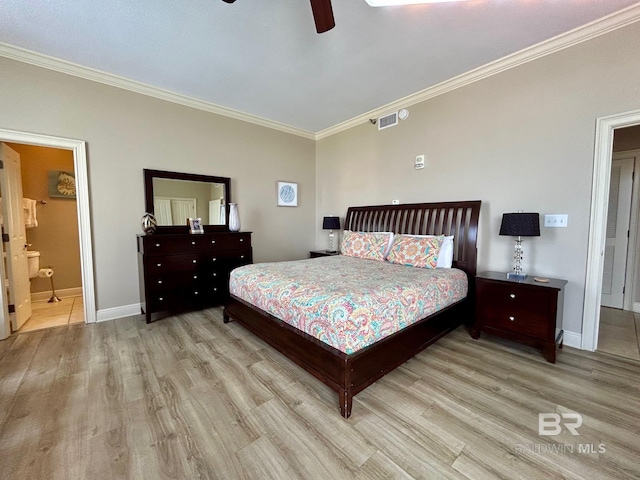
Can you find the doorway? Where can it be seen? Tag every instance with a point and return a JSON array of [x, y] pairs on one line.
[[44, 206], [603, 162], [78, 149], [618, 332]]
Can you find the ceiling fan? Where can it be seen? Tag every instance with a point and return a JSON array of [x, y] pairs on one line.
[[322, 14]]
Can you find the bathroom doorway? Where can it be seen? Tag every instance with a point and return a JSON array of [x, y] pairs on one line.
[[46, 210], [81, 216]]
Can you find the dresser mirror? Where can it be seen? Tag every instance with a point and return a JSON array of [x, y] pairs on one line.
[[173, 197]]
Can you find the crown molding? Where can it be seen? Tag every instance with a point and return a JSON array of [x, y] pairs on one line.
[[578, 35], [70, 68], [573, 37]]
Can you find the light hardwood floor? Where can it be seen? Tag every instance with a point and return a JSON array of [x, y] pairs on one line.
[[190, 397]]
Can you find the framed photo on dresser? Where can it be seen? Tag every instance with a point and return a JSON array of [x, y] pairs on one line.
[[195, 225]]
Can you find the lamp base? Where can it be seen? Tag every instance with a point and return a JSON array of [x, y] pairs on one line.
[[516, 276]]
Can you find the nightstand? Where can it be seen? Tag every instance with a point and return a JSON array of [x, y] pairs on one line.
[[526, 311], [322, 253]]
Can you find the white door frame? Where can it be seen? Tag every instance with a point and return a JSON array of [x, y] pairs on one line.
[[82, 201], [597, 224], [630, 281]]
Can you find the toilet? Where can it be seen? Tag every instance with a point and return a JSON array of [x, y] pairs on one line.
[[33, 260]]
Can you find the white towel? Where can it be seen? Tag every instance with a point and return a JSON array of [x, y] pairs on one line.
[[29, 208]]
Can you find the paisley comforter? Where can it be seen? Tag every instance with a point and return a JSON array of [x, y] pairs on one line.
[[348, 303]]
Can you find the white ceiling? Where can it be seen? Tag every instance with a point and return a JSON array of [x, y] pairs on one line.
[[264, 58]]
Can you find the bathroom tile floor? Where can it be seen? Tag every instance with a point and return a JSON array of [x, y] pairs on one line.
[[46, 315], [619, 333]]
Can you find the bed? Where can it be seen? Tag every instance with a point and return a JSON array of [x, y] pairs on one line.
[[349, 373]]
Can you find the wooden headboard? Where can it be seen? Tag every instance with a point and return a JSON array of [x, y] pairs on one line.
[[459, 219]]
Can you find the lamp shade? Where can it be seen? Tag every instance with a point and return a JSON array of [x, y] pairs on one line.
[[331, 223], [520, 225]]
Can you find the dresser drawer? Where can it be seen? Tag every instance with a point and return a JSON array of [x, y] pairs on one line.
[[181, 244], [174, 263], [169, 281]]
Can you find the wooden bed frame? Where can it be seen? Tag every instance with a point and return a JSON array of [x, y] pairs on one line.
[[349, 374]]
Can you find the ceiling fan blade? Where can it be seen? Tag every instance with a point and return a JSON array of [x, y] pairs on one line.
[[323, 15]]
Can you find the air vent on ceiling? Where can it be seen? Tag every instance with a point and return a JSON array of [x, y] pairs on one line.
[[387, 121]]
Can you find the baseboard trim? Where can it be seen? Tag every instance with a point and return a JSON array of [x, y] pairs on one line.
[[114, 313], [572, 339], [64, 293]]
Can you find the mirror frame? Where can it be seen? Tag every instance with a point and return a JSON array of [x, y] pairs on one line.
[[149, 175]]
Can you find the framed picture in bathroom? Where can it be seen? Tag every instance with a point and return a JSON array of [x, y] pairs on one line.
[[62, 184]]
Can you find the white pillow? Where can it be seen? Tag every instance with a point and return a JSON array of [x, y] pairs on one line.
[[445, 257]]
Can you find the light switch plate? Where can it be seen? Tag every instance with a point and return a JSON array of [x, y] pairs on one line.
[[556, 220], [419, 162], [395, 202]]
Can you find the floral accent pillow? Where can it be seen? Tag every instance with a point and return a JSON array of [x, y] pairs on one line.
[[416, 251], [369, 245]]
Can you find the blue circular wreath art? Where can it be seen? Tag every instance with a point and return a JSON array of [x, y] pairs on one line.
[[287, 194]]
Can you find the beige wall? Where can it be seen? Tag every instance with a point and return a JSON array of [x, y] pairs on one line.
[[519, 140], [56, 236], [126, 132]]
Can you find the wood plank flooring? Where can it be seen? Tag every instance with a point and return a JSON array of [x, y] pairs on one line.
[[190, 397]]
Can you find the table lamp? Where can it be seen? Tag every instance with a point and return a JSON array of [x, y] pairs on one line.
[[519, 225], [331, 224]]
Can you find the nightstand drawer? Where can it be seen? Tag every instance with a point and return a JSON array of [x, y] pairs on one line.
[[519, 322], [501, 298]]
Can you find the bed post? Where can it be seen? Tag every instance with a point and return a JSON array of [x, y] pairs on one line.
[[345, 397]]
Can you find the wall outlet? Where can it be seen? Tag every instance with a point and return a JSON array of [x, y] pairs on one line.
[[419, 162], [395, 202], [556, 220]]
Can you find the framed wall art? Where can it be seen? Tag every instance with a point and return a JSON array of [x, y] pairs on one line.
[[287, 194], [62, 184]]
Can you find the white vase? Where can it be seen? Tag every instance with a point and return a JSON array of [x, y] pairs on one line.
[[234, 218]]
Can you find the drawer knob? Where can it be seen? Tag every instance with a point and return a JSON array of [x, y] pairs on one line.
[[512, 319], [195, 293], [214, 259], [193, 243], [159, 281], [157, 244], [242, 239], [215, 289], [195, 261], [161, 298], [215, 274], [213, 241], [159, 265], [195, 276], [512, 295], [241, 256]]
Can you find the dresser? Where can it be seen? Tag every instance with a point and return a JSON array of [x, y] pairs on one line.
[[526, 311], [180, 272]]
